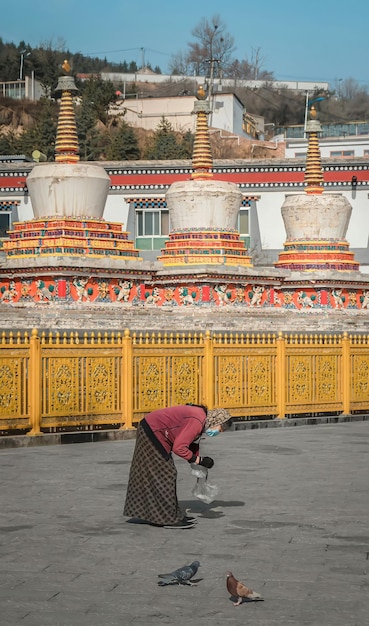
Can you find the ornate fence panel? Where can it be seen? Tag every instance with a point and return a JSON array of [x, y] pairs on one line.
[[14, 396], [56, 382], [82, 380], [167, 370], [313, 374], [245, 374], [359, 365]]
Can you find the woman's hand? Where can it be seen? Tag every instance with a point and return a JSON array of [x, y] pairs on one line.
[[206, 461]]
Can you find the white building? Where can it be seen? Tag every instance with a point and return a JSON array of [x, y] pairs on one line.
[[150, 77], [227, 113], [344, 141], [29, 88]]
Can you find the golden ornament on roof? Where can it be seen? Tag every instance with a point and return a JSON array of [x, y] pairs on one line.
[[66, 65], [201, 93]]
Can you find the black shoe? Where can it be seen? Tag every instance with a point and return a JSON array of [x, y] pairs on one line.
[[183, 523], [191, 520]]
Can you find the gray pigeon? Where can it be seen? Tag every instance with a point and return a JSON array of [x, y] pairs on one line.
[[180, 576]]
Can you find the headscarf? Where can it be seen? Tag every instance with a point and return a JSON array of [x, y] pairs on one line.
[[215, 417]]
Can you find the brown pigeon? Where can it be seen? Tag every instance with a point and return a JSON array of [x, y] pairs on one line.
[[240, 591]]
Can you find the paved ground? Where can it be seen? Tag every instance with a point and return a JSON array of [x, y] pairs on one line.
[[292, 521]]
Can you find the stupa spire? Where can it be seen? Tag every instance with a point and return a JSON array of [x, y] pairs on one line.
[[202, 159], [203, 211], [66, 144], [314, 180], [316, 223]]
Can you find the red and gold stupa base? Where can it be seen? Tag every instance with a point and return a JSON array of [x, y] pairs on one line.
[[69, 237], [205, 247], [317, 255]]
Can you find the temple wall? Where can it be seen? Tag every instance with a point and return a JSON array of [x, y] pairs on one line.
[[181, 319], [24, 210], [116, 209]]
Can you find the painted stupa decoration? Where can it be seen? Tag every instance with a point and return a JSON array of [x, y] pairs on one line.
[[203, 211], [68, 199], [316, 222], [202, 159], [66, 144]]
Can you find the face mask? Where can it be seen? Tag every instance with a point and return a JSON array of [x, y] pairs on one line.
[[212, 432]]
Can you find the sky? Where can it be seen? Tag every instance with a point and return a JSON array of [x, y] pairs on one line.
[[321, 40]]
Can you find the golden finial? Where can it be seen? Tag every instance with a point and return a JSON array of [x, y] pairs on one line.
[[201, 93], [202, 160], [66, 66], [313, 113], [66, 144], [314, 181]]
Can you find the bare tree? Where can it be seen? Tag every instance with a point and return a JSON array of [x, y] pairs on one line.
[[256, 61], [350, 89], [179, 64], [210, 52]]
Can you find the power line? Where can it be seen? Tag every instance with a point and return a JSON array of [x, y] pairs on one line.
[[111, 51], [127, 50]]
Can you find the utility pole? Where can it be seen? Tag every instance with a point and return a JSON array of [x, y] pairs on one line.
[[306, 111], [212, 61], [22, 53]]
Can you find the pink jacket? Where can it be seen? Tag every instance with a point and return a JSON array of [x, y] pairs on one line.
[[177, 427]]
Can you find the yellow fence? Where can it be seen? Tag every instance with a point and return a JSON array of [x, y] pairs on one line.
[[52, 382]]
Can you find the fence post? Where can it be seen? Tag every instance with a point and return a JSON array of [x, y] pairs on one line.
[[209, 382], [34, 383], [280, 376], [346, 374], [127, 387]]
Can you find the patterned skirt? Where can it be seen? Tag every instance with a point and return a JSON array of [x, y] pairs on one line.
[[152, 485]]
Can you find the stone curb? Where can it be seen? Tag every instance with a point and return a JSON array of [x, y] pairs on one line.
[[51, 439]]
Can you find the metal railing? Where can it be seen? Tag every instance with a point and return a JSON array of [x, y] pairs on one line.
[[54, 382]]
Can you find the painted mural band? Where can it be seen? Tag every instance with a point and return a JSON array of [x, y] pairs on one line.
[[82, 289]]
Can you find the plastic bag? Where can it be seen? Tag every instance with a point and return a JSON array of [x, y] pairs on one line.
[[203, 490], [199, 471]]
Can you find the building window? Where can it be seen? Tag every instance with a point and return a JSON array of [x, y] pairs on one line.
[[152, 228], [4, 224], [244, 218], [299, 155], [342, 153], [151, 223], [7, 207], [243, 222]]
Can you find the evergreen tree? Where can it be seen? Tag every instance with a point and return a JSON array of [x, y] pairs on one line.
[[46, 64], [91, 117], [123, 144], [187, 144], [42, 135], [9, 143], [167, 144], [98, 94], [88, 135], [9, 62]]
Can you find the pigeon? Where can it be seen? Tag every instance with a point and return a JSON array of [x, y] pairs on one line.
[[180, 576], [240, 591]]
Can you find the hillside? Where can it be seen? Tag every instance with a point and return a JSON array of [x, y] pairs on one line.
[[20, 118]]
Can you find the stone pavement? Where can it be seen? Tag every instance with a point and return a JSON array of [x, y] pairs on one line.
[[291, 520]]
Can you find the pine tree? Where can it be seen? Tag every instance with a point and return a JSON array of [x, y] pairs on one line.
[[42, 135], [167, 144], [123, 144], [9, 143], [90, 139]]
